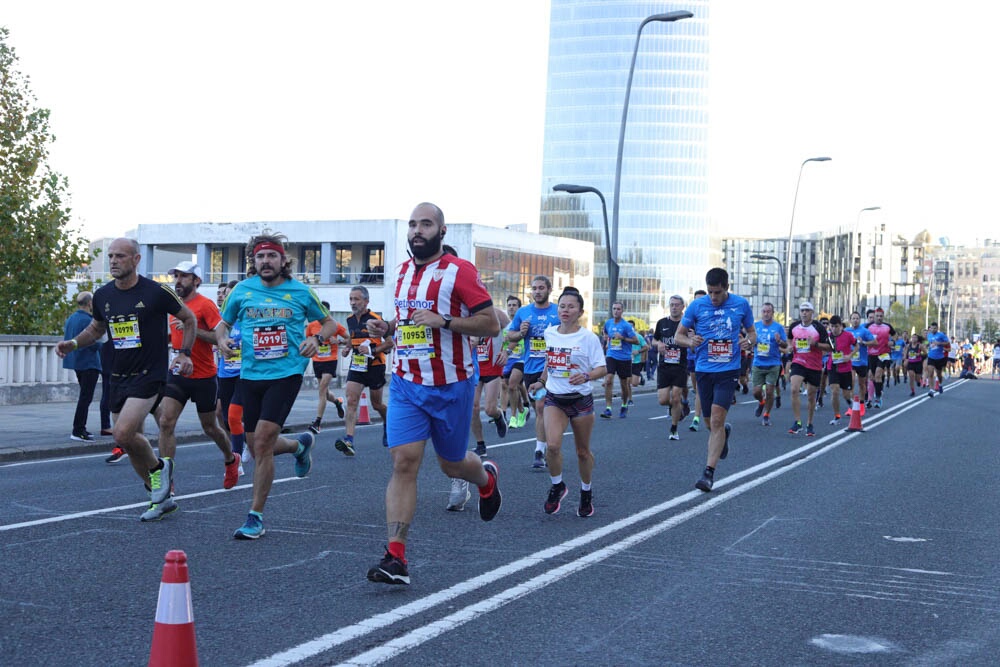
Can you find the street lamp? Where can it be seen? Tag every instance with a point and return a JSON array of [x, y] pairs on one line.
[[781, 276], [612, 259], [791, 227], [857, 233], [668, 17]]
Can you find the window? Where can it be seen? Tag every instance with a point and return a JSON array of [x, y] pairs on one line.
[[217, 266], [374, 270], [342, 270], [309, 263]]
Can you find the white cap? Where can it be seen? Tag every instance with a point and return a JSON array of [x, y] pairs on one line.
[[186, 267], [805, 305]]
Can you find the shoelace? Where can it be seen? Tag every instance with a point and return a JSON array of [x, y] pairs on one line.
[[155, 480]]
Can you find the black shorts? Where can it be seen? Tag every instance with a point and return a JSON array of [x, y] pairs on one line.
[[638, 369], [531, 378], [915, 366], [572, 405], [373, 378], [874, 362], [938, 364], [486, 379], [230, 393], [138, 386], [862, 371], [671, 375], [619, 367], [321, 368], [202, 391], [270, 400], [811, 376], [516, 366], [845, 379]]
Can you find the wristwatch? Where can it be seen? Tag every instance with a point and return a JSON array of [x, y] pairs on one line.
[[185, 351], [319, 339], [447, 321]]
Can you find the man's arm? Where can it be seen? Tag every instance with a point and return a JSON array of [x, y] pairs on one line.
[[483, 322], [87, 337]]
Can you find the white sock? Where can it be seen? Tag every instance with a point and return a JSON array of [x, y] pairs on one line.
[[556, 479], [539, 446], [584, 486]]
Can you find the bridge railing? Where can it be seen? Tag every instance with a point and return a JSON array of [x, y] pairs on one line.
[[31, 360]]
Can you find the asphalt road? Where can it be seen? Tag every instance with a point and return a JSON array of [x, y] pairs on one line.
[[843, 549]]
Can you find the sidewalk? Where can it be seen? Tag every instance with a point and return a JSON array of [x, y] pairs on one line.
[[42, 430]]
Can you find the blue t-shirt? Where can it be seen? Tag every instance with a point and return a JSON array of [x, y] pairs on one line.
[[937, 352], [861, 334], [273, 325], [720, 327], [767, 353], [896, 353], [539, 319], [230, 368], [617, 348]]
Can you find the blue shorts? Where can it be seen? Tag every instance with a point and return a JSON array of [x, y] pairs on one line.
[[443, 414], [720, 386]]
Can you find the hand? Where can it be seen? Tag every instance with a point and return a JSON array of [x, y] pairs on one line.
[[182, 365], [502, 358], [230, 349], [178, 325], [579, 378], [744, 343], [378, 327], [365, 349], [696, 340], [64, 347], [427, 318], [525, 326], [309, 347], [535, 386], [617, 336]]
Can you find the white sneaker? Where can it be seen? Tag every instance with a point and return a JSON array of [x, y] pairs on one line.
[[459, 495]]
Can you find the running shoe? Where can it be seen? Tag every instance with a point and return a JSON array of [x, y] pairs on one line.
[[522, 417], [674, 435], [878, 402], [746, 389], [390, 570], [500, 421], [347, 446], [157, 512], [315, 428], [161, 481], [623, 413], [819, 401], [481, 450], [707, 481], [930, 394], [725, 445], [117, 454], [539, 461], [81, 436], [940, 390], [695, 424], [586, 504], [796, 427], [241, 470], [766, 421], [606, 414], [556, 493], [912, 394], [490, 505], [630, 403], [835, 420], [339, 404], [107, 431], [810, 431], [777, 402], [232, 472], [459, 495], [686, 408], [252, 529], [303, 458], [759, 410]]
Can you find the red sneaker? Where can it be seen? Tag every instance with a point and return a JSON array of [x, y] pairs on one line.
[[232, 472]]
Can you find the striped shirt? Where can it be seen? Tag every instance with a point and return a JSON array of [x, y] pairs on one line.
[[436, 356]]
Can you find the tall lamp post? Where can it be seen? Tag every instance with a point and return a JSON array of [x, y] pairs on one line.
[[612, 259], [857, 233], [781, 275], [668, 17], [791, 227]]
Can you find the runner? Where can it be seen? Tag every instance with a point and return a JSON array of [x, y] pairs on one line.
[[937, 346], [230, 397], [880, 359], [821, 392], [995, 370], [915, 354], [842, 345], [324, 364], [574, 358], [619, 336], [808, 340], [529, 324], [200, 386], [272, 309], [771, 342], [638, 361], [671, 372], [896, 356], [135, 310], [691, 358], [367, 353], [513, 373], [859, 359], [711, 325], [439, 301]]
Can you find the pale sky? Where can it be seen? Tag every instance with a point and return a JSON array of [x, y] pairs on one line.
[[239, 111]]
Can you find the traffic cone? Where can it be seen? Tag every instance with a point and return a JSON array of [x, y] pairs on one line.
[[363, 418], [856, 410], [173, 634]]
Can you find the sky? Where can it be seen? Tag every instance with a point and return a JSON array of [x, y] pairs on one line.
[[245, 111]]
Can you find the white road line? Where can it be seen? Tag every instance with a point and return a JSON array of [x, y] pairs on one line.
[[379, 654]]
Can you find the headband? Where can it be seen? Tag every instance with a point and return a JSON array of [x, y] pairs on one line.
[[269, 245]]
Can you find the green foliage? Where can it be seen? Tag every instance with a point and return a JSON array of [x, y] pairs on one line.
[[991, 329], [38, 251]]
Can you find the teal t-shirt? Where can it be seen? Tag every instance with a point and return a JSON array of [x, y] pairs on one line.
[[273, 325]]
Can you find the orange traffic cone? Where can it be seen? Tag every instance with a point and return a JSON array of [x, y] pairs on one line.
[[173, 634], [363, 418], [856, 411]]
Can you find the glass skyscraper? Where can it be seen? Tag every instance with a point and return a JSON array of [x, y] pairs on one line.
[[664, 244]]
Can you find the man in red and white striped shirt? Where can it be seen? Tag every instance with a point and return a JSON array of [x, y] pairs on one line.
[[439, 301]]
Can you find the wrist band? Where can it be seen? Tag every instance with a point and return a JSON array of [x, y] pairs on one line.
[[76, 343]]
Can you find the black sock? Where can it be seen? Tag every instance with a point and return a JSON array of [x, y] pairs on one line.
[[878, 390], [480, 443], [158, 466]]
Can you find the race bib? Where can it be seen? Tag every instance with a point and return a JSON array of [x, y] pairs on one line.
[[672, 355], [537, 348], [856, 355], [720, 351], [763, 349], [323, 350], [802, 345], [883, 357], [270, 342], [235, 363], [616, 343], [125, 332], [359, 363], [482, 352], [838, 357], [414, 341], [913, 358], [558, 361]]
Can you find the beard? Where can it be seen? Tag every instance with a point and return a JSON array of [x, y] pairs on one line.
[[428, 249]]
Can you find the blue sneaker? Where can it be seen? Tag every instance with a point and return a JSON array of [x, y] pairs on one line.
[[623, 413], [304, 459], [725, 446], [796, 427], [252, 529]]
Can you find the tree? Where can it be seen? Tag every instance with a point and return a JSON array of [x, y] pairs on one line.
[[38, 250], [991, 329]]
